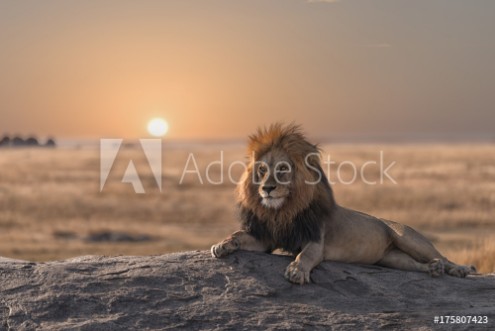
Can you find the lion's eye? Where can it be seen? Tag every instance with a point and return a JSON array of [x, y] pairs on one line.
[[283, 168], [262, 170]]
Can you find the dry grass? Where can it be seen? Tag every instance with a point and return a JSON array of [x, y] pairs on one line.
[[50, 200]]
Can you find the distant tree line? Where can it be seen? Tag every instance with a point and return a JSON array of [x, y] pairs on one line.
[[17, 141]]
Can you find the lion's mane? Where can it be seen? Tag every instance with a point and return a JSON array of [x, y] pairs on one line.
[[300, 219]]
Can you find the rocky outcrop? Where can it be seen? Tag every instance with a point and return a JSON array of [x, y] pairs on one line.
[[246, 290]]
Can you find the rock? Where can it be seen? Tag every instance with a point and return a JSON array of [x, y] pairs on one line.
[[246, 290]]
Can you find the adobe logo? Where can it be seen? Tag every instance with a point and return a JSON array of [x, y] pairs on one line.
[[152, 148]]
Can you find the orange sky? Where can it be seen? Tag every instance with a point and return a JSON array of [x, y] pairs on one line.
[[217, 69]]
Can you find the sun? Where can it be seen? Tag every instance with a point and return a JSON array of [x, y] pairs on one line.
[[157, 127]]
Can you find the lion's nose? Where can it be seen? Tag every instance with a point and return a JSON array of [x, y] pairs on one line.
[[268, 189]]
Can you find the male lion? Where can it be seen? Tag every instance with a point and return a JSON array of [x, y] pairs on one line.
[[286, 203]]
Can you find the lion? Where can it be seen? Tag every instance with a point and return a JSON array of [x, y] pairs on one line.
[[286, 203]]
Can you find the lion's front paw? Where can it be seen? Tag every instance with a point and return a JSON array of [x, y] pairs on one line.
[[295, 274], [225, 248], [436, 267]]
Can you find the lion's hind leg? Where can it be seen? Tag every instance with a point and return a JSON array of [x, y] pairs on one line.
[[397, 259], [412, 242], [420, 249]]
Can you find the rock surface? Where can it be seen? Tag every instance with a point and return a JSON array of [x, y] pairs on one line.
[[246, 290]]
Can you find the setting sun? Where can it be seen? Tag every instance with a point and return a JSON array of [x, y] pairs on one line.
[[157, 127]]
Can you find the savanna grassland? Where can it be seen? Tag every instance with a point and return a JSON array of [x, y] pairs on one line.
[[51, 206]]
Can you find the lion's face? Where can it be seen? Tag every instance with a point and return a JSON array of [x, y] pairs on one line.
[[274, 174], [283, 176]]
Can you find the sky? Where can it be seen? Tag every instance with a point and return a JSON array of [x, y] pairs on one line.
[[218, 69]]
